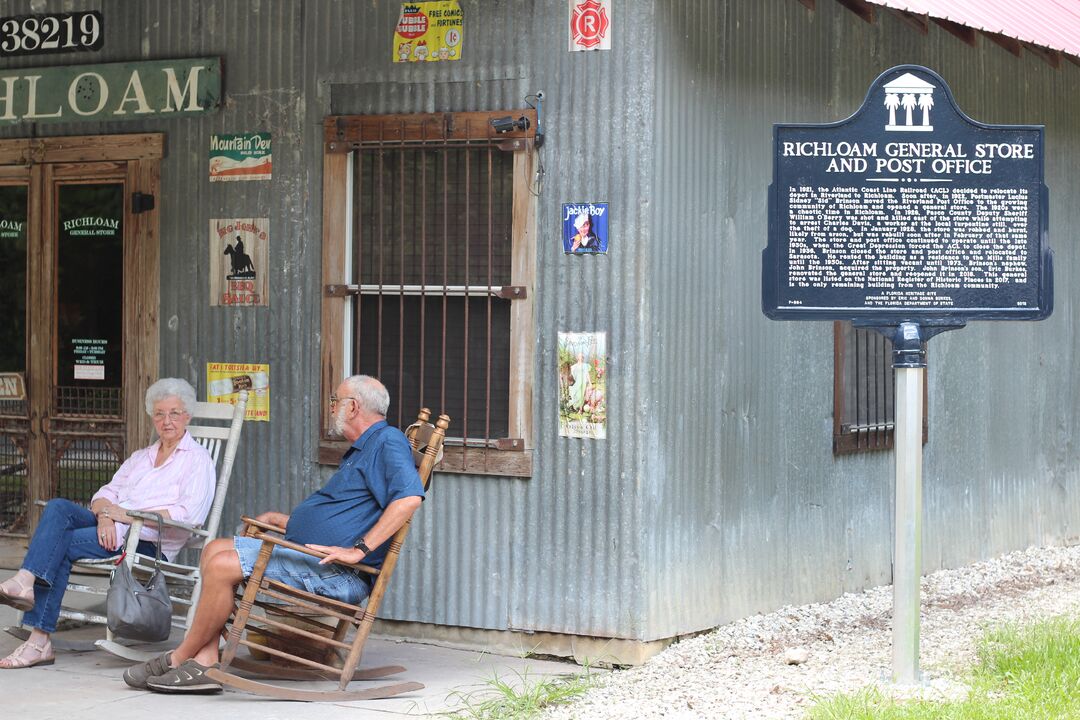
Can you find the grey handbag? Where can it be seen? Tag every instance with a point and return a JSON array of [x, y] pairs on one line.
[[136, 611]]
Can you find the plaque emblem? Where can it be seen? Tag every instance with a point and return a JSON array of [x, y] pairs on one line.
[[907, 93]]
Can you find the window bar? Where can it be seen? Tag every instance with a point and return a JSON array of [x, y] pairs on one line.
[[401, 274], [467, 243], [490, 259], [873, 368], [881, 378], [505, 292], [870, 378], [358, 261], [869, 416], [446, 275], [890, 389], [380, 243], [866, 378], [858, 372], [423, 260]]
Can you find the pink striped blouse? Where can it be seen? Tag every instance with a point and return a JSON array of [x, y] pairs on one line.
[[183, 485]]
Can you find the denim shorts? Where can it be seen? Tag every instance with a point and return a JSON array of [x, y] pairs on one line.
[[303, 572]]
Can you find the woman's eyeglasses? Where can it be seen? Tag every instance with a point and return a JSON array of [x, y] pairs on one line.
[[174, 415]]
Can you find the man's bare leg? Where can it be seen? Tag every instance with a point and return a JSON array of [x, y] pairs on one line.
[[221, 573]]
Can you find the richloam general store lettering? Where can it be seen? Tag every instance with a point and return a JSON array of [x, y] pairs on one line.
[[910, 157]]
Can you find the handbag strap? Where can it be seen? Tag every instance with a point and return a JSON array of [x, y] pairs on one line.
[[160, 532]]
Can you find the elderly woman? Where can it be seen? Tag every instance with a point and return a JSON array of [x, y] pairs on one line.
[[174, 477]]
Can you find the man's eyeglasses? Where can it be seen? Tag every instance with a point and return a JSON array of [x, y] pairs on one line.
[[174, 415], [334, 399]]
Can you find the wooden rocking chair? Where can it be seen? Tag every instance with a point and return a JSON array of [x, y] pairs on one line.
[[311, 632]]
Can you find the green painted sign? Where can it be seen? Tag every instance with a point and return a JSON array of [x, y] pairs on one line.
[[111, 91]]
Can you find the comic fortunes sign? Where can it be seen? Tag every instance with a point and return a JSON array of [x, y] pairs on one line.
[[907, 210], [428, 32]]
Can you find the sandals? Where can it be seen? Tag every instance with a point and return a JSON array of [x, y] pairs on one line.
[[189, 677], [137, 675], [21, 599], [28, 655]]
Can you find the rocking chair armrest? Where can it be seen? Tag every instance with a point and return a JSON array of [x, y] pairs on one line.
[[145, 516], [313, 553], [252, 522]]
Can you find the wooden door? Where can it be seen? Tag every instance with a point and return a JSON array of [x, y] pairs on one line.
[[78, 243]]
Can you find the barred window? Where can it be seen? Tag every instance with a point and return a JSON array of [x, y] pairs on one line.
[[864, 407], [427, 264]]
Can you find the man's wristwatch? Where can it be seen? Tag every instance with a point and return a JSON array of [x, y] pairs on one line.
[[362, 546]]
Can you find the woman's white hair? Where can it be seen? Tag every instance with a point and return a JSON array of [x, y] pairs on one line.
[[370, 393], [170, 387]]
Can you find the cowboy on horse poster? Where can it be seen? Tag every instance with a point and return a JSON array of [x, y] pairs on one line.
[[238, 251]]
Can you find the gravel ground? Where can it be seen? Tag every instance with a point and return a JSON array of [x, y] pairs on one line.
[[741, 670]]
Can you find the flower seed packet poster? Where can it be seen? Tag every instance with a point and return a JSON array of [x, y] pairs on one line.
[[583, 385]]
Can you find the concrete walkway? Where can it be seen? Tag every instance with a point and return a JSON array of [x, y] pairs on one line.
[[89, 684]]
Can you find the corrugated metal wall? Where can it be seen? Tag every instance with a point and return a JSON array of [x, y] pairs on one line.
[[716, 493], [557, 552], [752, 509]]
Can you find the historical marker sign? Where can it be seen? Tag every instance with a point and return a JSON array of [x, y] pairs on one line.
[[907, 211]]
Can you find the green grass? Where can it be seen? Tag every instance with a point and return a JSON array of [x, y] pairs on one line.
[[1023, 673], [521, 700]]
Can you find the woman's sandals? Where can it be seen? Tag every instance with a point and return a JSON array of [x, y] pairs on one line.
[[28, 655], [17, 595]]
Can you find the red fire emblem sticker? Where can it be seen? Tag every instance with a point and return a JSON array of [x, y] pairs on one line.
[[589, 24]]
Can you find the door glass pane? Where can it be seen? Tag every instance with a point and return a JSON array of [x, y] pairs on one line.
[[90, 294], [13, 449], [13, 278]]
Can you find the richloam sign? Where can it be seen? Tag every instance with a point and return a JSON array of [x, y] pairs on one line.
[[907, 211], [111, 91]]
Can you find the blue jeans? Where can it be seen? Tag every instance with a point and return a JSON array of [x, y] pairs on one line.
[[67, 532]]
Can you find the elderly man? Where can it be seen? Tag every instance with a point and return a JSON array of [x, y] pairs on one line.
[[373, 493]]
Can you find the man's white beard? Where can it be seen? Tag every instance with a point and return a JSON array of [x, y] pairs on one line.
[[339, 422]]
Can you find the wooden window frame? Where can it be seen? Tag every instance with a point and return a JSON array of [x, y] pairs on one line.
[[845, 440], [342, 135]]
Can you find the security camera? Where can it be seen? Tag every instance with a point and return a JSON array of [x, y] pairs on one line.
[[509, 124], [540, 96]]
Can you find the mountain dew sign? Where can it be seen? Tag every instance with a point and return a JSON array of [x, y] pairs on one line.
[[111, 91]]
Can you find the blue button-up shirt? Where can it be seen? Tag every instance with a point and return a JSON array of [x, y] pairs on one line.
[[375, 471]]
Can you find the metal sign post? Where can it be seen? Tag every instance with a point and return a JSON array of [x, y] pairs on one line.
[[909, 364], [910, 368]]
